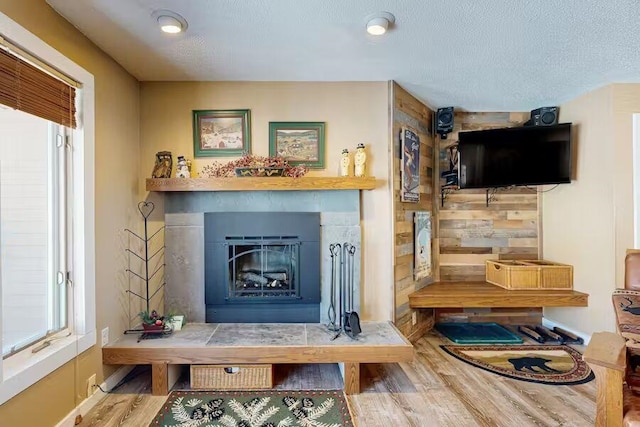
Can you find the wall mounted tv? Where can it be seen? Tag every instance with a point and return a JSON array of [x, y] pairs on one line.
[[530, 155]]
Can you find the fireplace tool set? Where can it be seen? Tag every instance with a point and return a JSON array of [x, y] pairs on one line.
[[342, 290]]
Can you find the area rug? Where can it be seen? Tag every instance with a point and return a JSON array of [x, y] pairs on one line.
[[477, 333], [273, 408], [545, 364]]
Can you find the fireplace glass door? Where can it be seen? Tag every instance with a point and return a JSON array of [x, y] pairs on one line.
[[262, 270]]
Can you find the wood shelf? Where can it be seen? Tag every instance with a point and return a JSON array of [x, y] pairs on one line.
[[261, 184], [484, 294]]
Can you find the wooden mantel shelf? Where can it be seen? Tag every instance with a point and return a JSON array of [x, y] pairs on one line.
[[261, 184]]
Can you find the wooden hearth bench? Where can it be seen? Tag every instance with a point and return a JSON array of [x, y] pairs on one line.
[[235, 344]]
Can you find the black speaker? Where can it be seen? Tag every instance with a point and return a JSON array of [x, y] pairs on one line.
[[444, 121], [543, 116]]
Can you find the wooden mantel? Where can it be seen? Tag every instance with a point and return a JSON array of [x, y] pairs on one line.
[[261, 184]]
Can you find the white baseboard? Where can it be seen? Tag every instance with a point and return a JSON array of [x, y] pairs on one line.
[[86, 405], [550, 324]]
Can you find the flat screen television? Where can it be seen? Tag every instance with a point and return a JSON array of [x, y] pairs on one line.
[[530, 155]]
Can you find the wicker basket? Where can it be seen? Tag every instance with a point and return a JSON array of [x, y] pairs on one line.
[[225, 377], [530, 274]]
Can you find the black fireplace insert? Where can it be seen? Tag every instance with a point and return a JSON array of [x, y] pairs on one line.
[[262, 267]]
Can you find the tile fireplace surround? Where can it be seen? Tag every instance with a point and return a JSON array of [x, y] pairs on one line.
[[184, 237]]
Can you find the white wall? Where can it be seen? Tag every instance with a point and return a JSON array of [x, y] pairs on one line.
[[626, 102], [589, 223], [578, 218], [636, 180]]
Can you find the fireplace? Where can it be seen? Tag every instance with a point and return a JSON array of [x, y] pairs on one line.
[[262, 267], [184, 293]]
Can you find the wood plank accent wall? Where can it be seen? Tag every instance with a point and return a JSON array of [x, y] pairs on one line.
[[469, 232], [410, 112]]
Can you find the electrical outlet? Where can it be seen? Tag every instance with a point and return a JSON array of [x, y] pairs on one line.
[[414, 318], [105, 336], [91, 385]]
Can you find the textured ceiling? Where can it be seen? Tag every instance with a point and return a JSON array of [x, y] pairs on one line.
[[491, 55]]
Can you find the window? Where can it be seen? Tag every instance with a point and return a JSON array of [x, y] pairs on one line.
[[76, 248], [34, 201]]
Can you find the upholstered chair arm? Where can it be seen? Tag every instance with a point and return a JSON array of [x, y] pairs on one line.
[[606, 355]]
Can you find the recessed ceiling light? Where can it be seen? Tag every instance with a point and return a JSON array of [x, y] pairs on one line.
[[379, 23], [170, 22]]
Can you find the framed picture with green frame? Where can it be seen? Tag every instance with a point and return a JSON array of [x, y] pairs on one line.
[[221, 133], [299, 143]]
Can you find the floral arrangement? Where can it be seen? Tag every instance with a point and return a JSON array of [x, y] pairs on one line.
[[154, 321], [219, 170]]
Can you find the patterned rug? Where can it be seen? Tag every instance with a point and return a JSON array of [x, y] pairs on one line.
[[276, 408], [545, 364]]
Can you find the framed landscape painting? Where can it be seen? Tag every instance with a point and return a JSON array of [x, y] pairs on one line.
[[221, 133], [300, 143]]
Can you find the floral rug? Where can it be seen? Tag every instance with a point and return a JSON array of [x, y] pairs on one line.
[[545, 364], [275, 408]]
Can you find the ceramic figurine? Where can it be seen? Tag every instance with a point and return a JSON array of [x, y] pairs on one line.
[[360, 160], [164, 165], [345, 163], [182, 168]]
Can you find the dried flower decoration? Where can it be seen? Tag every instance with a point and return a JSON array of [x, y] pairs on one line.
[[222, 170]]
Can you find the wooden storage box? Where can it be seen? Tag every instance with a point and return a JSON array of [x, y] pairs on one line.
[[529, 274], [230, 377]]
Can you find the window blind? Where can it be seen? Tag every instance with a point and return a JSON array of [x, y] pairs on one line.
[[26, 88]]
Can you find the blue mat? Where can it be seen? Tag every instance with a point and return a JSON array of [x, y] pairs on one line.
[[477, 333]]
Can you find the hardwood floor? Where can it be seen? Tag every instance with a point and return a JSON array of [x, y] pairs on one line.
[[433, 390]]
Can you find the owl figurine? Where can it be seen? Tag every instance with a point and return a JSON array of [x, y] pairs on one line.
[[163, 166]]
